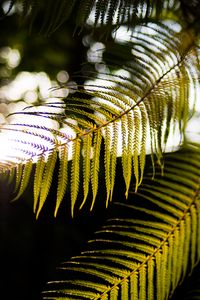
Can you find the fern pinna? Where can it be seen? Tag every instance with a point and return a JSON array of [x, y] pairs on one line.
[[148, 246], [148, 100]]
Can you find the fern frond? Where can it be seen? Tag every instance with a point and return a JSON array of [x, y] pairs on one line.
[[127, 109], [134, 289], [84, 10], [75, 173], [24, 178], [95, 164], [150, 278], [113, 163], [108, 14], [126, 156], [159, 274], [198, 222], [107, 157], [115, 257], [136, 143], [62, 177], [87, 144], [175, 260], [19, 171], [46, 180], [193, 236], [186, 244], [142, 282], [143, 140], [37, 180], [124, 289]]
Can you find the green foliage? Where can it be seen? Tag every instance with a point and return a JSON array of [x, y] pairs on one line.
[[106, 13], [148, 246], [150, 101], [139, 98]]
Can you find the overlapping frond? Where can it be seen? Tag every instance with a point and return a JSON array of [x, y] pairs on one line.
[[105, 13], [148, 246], [146, 99]]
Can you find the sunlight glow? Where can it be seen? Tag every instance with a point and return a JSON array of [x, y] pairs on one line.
[[24, 82], [95, 52], [18, 96], [6, 7], [11, 56], [62, 76]]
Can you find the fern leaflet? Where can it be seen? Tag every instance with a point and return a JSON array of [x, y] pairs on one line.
[[47, 179], [62, 177]]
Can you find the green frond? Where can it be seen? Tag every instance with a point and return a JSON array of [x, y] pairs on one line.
[[198, 230], [109, 257], [152, 241], [106, 13], [165, 271], [107, 157], [159, 273], [87, 144], [84, 10], [114, 293], [40, 167], [116, 256], [193, 236], [181, 247], [47, 179], [24, 178], [150, 278], [122, 110], [158, 192], [134, 289], [143, 140], [113, 162], [187, 244], [142, 282], [136, 143], [95, 164], [75, 173], [19, 171], [62, 177], [126, 157], [175, 260], [125, 289], [94, 285]]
